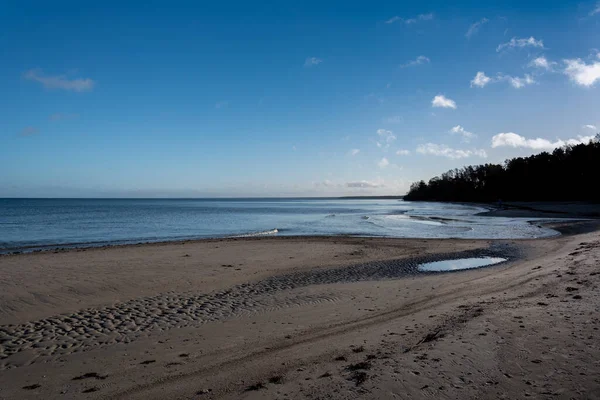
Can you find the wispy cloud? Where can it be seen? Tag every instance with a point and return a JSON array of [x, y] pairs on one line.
[[383, 163], [474, 28], [448, 152], [420, 17], [511, 139], [582, 73], [520, 43], [326, 183], [417, 61], [480, 80], [376, 97], [596, 9], [443, 102], [312, 61], [62, 116], [403, 152], [409, 21], [466, 135], [364, 184], [386, 137], [395, 18], [592, 127], [354, 152], [59, 81], [221, 104], [29, 131], [394, 119]]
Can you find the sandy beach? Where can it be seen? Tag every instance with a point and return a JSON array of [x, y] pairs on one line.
[[334, 317]]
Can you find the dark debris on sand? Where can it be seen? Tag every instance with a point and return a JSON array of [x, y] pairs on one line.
[[358, 377], [90, 375], [359, 366], [255, 387]]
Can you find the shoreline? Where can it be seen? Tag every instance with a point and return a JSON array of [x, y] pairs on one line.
[[569, 216], [539, 209], [55, 249]]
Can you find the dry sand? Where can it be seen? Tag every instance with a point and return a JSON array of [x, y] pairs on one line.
[[333, 318]]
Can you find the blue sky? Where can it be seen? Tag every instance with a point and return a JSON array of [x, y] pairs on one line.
[[285, 98]]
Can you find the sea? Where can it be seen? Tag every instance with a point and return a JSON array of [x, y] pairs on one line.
[[39, 224]]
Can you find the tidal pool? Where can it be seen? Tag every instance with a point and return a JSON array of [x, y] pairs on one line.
[[458, 264]]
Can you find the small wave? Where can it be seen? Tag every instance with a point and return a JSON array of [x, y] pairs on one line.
[[376, 224], [417, 219], [398, 212], [262, 233]]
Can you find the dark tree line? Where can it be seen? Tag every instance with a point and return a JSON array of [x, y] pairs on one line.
[[568, 173]]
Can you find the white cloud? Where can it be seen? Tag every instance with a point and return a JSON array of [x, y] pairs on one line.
[[383, 163], [593, 127], [354, 152], [473, 29], [466, 135], [29, 131], [409, 21], [581, 73], [441, 101], [221, 104], [402, 152], [445, 151], [520, 43], [596, 9], [480, 80], [517, 82], [417, 61], [385, 138], [312, 61], [364, 184], [511, 139], [59, 81], [542, 62]]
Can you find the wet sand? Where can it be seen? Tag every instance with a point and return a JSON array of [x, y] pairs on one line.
[[540, 209], [303, 318]]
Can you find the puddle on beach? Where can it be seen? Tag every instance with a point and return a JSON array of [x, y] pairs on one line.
[[461, 263]]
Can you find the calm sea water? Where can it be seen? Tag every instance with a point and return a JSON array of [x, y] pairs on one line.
[[38, 223]]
